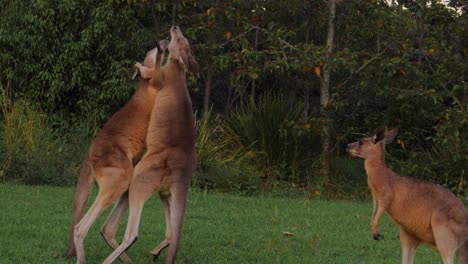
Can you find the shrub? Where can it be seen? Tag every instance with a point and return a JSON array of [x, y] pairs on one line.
[[73, 57], [444, 162], [32, 152], [273, 130], [223, 163]]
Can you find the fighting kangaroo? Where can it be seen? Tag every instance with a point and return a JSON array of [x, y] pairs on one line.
[[425, 212], [167, 166], [110, 160]]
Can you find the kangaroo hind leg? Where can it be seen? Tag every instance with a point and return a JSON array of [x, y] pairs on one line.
[[111, 187], [109, 229], [166, 201], [409, 243]]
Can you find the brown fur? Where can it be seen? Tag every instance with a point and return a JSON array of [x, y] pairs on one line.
[[167, 167], [110, 161], [424, 211]]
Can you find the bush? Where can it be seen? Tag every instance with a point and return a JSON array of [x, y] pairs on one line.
[[280, 141], [444, 162], [73, 57], [33, 153], [223, 163]]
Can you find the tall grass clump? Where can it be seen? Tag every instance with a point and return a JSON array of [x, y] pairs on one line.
[[223, 162], [277, 136], [32, 152]]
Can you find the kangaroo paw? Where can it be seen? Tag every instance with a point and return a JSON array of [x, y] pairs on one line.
[[377, 236]]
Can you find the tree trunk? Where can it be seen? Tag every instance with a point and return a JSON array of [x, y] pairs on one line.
[[421, 44], [306, 104], [155, 21], [206, 96], [173, 16], [325, 98], [252, 95]]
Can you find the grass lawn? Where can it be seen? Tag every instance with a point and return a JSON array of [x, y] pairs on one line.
[[218, 228]]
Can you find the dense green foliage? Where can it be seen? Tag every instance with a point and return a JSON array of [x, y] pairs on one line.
[[32, 152], [397, 63], [218, 228], [63, 55]]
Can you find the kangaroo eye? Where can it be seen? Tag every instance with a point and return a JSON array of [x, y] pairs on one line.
[[360, 143]]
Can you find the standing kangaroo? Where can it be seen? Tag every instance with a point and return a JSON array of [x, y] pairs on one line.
[[167, 166], [425, 212], [110, 160]]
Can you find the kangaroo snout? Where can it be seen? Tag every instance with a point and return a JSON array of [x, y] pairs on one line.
[[348, 147], [176, 33]]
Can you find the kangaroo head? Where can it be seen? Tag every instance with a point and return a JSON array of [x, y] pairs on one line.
[[179, 50], [371, 146], [151, 70]]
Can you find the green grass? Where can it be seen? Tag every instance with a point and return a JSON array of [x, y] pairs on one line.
[[219, 228]]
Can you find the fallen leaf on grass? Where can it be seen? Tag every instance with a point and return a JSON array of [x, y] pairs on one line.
[[288, 234]]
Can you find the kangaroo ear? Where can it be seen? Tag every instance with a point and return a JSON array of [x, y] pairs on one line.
[[137, 70], [135, 74], [145, 72], [385, 135], [194, 67], [390, 135], [163, 44], [379, 135], [189, 64]]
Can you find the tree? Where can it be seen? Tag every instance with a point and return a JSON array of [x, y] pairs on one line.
[[325, 96], [72, 58]]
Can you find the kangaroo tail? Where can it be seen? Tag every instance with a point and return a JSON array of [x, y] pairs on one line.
[[84, 186]]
